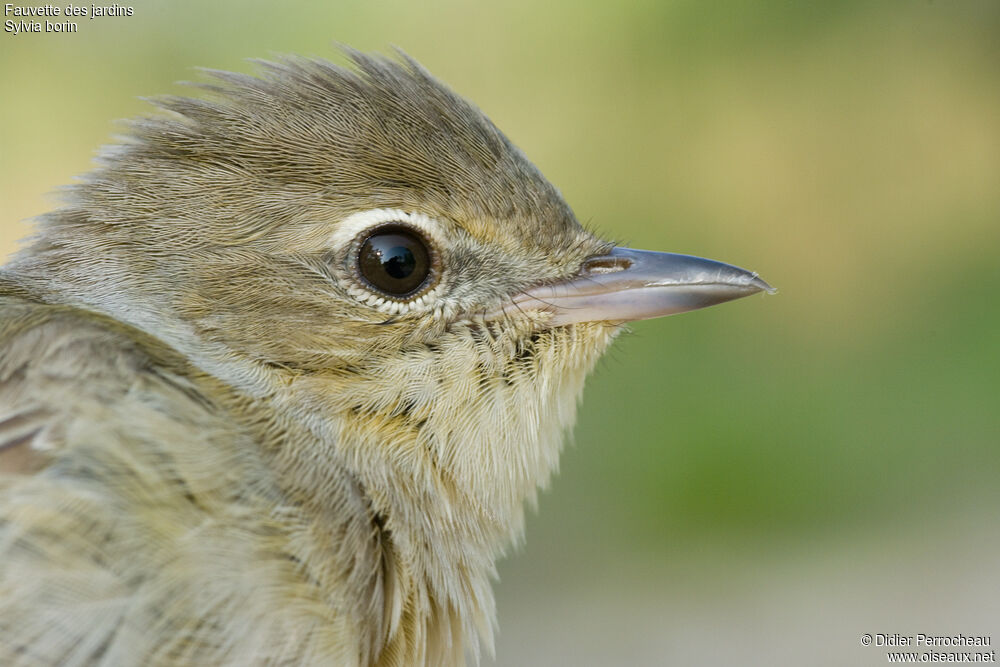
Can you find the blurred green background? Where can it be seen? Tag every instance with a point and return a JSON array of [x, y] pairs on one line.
[[754, 484]]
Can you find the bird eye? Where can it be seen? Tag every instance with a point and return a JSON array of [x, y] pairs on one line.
[[395, 260]]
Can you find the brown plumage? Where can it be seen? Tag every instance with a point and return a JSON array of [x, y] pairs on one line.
[[225, 440]]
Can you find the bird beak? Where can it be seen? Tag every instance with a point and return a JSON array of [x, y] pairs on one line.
[[627, 284]]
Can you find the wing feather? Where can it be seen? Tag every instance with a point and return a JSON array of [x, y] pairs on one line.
[[138, 521]]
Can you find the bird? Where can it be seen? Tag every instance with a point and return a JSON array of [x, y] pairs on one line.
[[281, 374]]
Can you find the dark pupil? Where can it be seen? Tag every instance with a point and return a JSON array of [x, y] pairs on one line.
[[394, 260], [400, 262]]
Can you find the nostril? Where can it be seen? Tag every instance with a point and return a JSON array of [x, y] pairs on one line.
[[605, 264]]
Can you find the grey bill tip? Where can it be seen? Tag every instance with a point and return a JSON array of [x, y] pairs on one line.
[[627, 284]]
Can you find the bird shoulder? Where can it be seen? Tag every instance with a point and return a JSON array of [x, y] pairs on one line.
[[139, 517]]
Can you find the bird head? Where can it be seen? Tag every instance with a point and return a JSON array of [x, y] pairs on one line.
[[364, 252]]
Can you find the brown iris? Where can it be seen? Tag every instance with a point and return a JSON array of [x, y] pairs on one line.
[[395, 260]]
